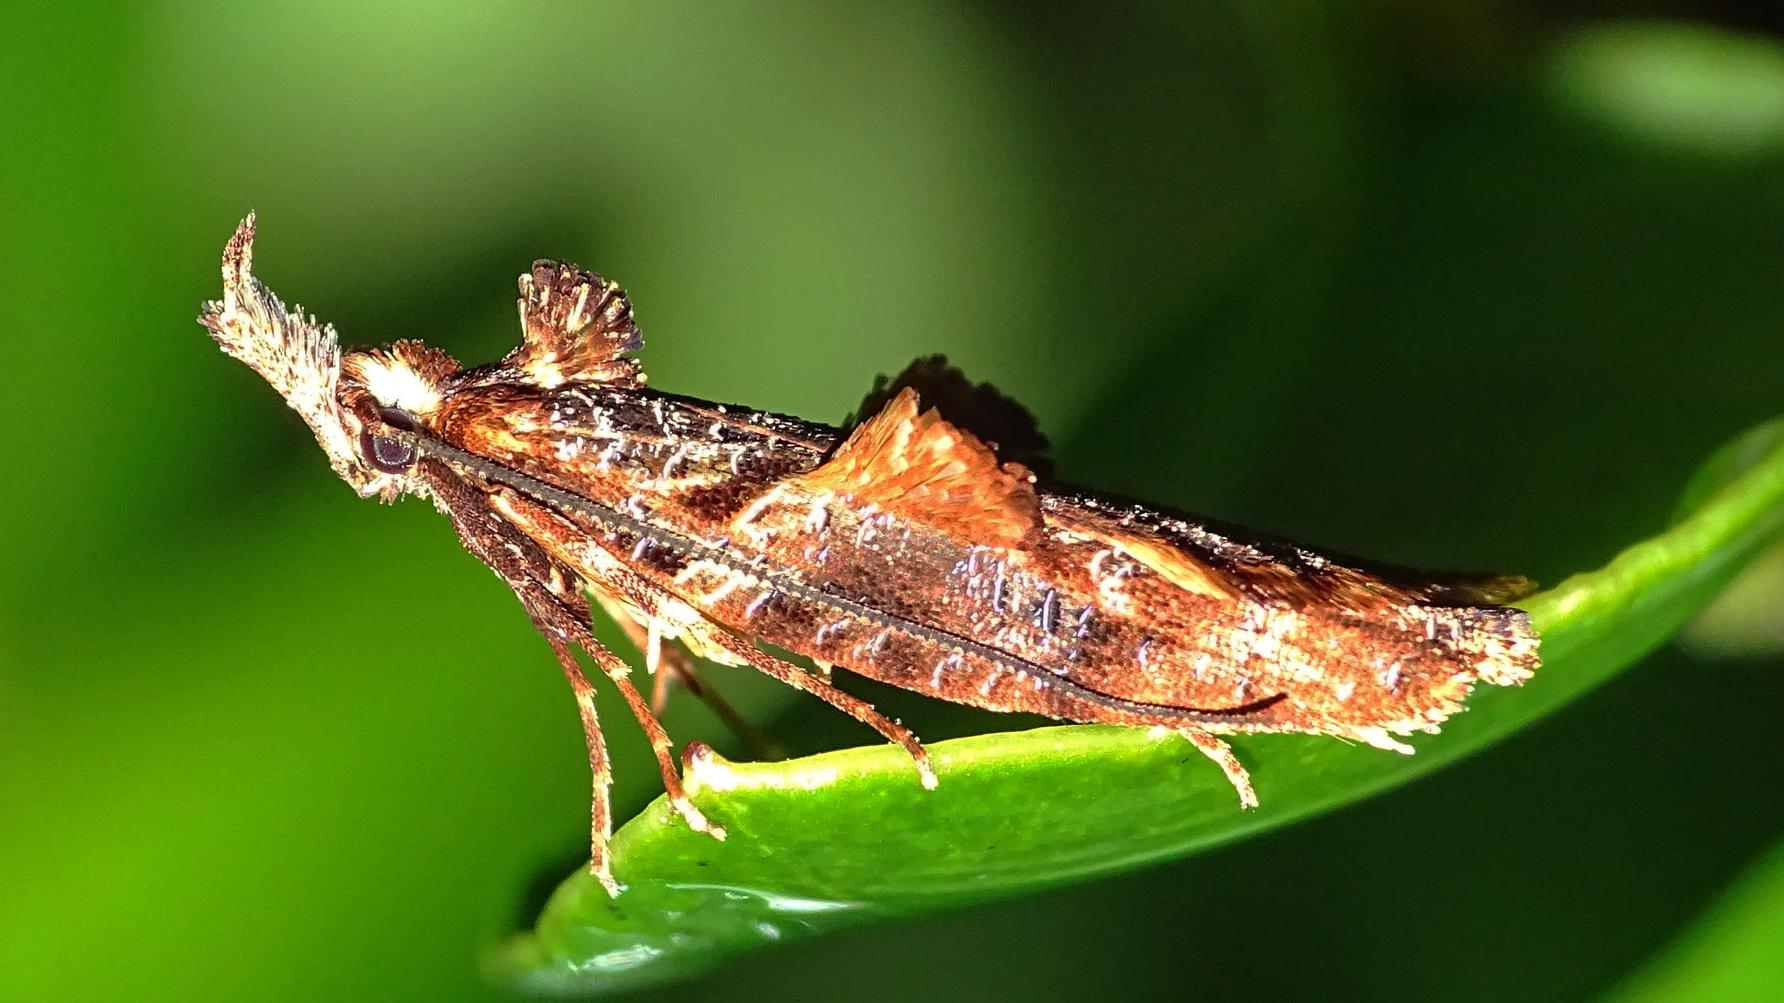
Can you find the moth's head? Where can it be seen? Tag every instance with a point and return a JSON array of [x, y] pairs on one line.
[[347, 401]]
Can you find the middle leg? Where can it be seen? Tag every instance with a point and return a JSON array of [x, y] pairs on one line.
[[669, 663]]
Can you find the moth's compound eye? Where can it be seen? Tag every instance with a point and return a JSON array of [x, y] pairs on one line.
[[393, 456]]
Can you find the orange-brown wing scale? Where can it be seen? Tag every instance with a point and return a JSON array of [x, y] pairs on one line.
[[909, 554]]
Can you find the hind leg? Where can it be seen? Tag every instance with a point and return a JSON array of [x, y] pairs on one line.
[[853, 706], [1222, 754]]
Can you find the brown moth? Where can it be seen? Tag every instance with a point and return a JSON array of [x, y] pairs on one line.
[[917, 547]]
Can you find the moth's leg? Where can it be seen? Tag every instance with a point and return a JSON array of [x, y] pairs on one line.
[[853, 706], [762, 746], [544, 586], [669, 662], [560, 622], [714, 640], [1223, 756], [621, 674], [664, 662], [601, 810], [540, 585], [666, 668]]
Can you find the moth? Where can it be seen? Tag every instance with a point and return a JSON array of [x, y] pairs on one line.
[[923, 546]]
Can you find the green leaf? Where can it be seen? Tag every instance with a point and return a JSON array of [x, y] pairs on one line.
[[1735, 951], [844, 837], [1689, 87]]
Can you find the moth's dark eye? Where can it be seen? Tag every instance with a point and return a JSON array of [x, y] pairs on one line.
[[393, 456]]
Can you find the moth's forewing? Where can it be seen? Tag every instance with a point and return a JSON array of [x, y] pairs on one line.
[[909, 553]]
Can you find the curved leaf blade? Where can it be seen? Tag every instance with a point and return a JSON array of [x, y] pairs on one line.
[[842, 837], [1733, 951]]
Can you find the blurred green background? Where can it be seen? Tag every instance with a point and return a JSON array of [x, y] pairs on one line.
[[1453, 284]]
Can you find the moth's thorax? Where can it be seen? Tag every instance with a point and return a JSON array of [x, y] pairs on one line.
[[691, 464]]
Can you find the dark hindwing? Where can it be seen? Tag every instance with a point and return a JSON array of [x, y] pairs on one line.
[[978, 408]]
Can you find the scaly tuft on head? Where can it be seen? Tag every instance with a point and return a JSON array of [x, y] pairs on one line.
[[298, 356], [407, 375]]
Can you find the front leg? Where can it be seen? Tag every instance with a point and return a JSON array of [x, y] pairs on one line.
[[547, 597], [539, 585], [621, 674], [553, 599]]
